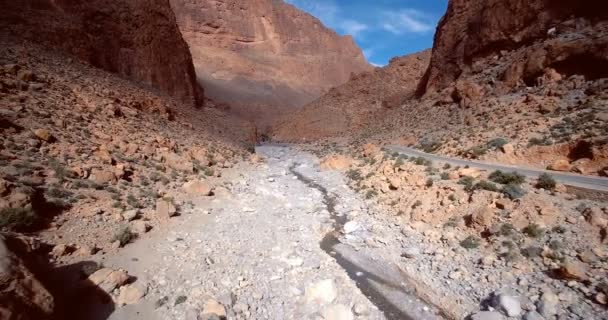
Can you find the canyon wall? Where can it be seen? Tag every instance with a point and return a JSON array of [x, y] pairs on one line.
[[473, 30], [138, 39], [264, 52]]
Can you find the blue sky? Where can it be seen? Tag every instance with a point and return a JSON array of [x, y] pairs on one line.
[[382, 28]]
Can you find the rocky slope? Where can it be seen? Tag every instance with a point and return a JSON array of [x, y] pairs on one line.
[[264, 52], [351, 106], [472, 31], [90, 161], [500, 77], [137, 39]]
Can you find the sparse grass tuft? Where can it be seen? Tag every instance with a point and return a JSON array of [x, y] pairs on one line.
[[513, 191], [533, 230], [546, 181], [123, 235], [471, 242], [507, 178], [16, 219]]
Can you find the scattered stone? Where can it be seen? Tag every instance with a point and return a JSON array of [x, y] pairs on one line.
[[140, 227], [59, 250], [351, 227], [131, 294], [43, 134], [573, 270], [508, 304], [487, 315], [360, 309], [108, 279], [560, 165], [533, 315], [547, 305], [508, 149], [165, 208], [338, 312], [214, 308], [322, 292], [410, 252], [198, 187], [130, 215]]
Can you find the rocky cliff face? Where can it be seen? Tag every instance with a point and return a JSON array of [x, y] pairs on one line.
[[351, 106], [264, 52], [138, 39], [472, 30]]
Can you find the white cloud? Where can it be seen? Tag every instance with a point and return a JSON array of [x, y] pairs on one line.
[[377, 65], [354, 28], [407, 21], [331, 15]]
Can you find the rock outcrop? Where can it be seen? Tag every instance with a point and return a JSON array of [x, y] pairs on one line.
[[472, 30], [22, 295], [138, 39], [264, 52], [363, 98]]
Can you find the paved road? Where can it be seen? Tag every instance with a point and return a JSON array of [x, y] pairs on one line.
[[587, 182]]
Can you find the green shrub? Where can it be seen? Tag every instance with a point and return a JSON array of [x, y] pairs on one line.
[[506, 229], [429, 182], [16, 219], [533, 230], [446, 166], [467, 182], [485, 185], [471, 242], [123, 235], [370, 194], [513, 191], [532, 252], [445, 176], [478, 151], [416, 204], [546, 181], [354, 174], [539, 142], [399, 162], [507, 178], [497, 143], [420, 161]]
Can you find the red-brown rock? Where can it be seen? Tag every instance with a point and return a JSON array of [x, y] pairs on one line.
[[138, 39], [264, 52], [475, 29]]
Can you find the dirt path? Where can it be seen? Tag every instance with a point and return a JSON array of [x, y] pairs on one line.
[[267, 248]]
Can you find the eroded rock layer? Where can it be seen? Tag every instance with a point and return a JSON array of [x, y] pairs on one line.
[[138, 39], [264, 52]]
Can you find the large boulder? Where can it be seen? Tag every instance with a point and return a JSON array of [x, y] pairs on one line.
[[22, 295]]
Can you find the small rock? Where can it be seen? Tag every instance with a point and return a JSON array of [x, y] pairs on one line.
[[165, 208], [351, 227], [130, 215], [601, 298], [213, 308], [487, 315], [360, 309], [410, 252], [547, 305], [324, 291], [533, 315], [108, 279], [59, 250], [197, 187], [43, 134], [508, 304], [140, 227], [508, 148], [573, 270], [560, 165], [338, 312], [131, 294]]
